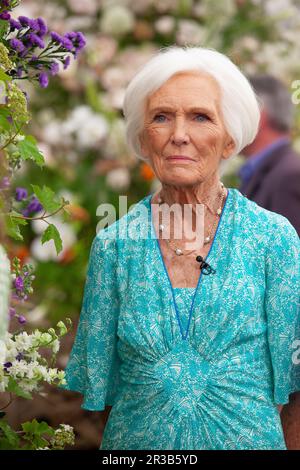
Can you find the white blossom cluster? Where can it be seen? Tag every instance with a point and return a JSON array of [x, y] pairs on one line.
[[21, 360]]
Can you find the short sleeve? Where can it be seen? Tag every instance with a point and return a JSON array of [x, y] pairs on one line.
[[93, 366], [282, 306]]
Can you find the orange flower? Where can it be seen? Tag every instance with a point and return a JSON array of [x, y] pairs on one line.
[[20, 251], [67, 256], [146, 172], [77, 212]]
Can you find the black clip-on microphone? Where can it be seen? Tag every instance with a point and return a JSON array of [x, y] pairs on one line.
[[204, 266]]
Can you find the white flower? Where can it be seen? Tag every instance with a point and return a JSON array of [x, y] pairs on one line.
[[20, 369], [189, 31], [55, 346], [2, 351], [66, 427], [117, 20], [113, 77], [115, 146], [23, 341], [165, 24], [88, 7], [118, 179], [52, 132], [92, 131], [88, 127], [277, 7]]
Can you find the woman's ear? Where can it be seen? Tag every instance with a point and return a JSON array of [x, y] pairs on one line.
[[229, 148]]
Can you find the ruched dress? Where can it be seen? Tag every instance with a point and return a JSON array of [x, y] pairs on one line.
[[191, 368]]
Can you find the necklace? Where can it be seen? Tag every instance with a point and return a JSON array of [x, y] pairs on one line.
[[208, 238]]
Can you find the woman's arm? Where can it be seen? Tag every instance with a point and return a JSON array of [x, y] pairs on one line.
[[290, 419]]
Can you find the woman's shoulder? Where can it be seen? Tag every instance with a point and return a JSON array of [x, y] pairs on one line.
[[262, 221]]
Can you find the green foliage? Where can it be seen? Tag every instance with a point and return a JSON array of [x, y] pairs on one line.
[[13, 220], [13, 387], [29, 151], [46, 197], [51, 233]]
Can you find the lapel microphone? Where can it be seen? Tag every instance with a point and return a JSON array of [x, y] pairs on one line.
[[204, 266]]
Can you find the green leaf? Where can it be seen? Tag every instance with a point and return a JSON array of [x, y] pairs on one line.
[[13, 387], [29, 151], [4, 124], [11, 437], [18, 218], [35, 428], [46, 197], [33, 433], [4, 113], [51, 233], [12, 227], [4, 25], [4, 76]]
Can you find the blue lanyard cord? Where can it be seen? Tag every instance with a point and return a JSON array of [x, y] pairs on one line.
[[184, 337], [196, 290]]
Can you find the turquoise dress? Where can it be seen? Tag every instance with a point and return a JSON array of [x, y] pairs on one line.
[[191, 368]]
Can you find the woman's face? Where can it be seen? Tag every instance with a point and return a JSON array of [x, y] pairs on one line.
[[183, 117]]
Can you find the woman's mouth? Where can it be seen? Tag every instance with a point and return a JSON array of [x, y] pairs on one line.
[[180, 158]]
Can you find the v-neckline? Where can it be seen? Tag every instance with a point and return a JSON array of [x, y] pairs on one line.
[[208, 258]]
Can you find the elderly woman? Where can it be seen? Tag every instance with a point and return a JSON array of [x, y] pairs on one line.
[[194, 346]]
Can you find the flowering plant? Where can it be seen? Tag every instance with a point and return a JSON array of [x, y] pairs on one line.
[[28, 52], [24, 371]]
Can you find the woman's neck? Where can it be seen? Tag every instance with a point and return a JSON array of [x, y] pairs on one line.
[[205, 193]]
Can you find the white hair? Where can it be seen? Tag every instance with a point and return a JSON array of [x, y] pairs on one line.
[[239, 103]]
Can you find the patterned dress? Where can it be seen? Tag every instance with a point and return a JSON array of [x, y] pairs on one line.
[[191, 368]]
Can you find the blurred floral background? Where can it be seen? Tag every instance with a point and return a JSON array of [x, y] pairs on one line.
[[78, 123]]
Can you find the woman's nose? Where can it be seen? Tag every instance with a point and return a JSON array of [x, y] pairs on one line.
[[180, 132]]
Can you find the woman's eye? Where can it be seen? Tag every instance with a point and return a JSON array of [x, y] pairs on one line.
[[204, 117], [158, 116], [161, 117]]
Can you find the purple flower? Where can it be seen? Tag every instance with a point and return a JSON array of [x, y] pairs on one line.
[[17, 45], [25, 21], [21, 319], [7, 365], [19, 356], [71, 35], [56, 37], [33, 206], [21, 193], [33, 40], [43, 79], [25, 52], [19, 284], [78, 40], [67, 62], [42, 27], [14, 24], [67, 44], [12, 312], [4, 15], [54, 68]]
